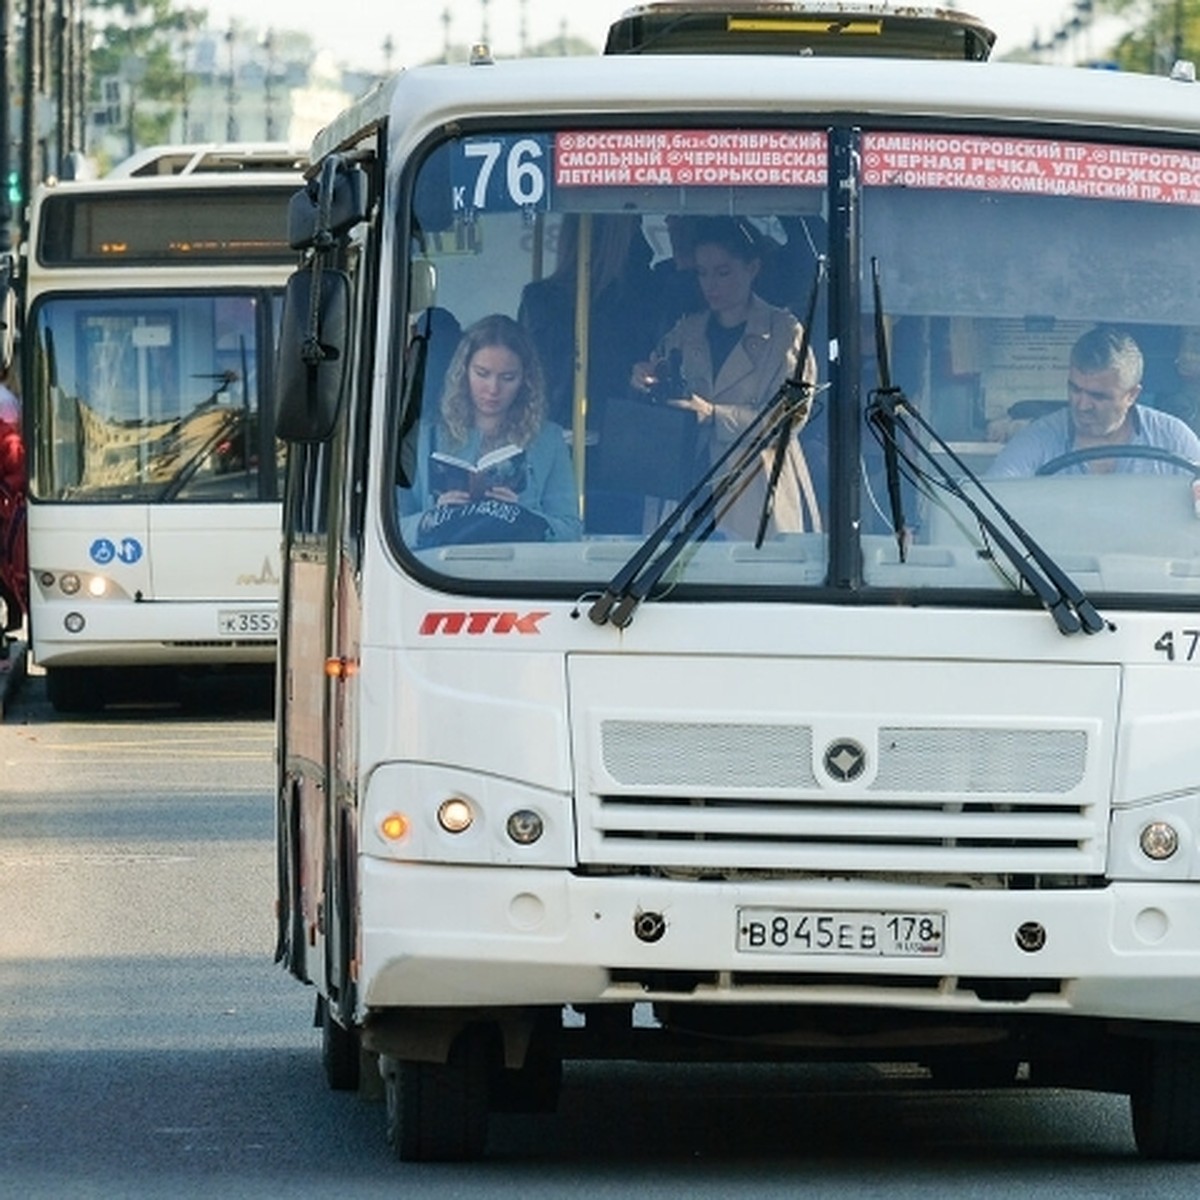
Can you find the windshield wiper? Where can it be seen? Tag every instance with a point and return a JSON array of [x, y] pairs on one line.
[[889, 413], [697, 513], [881, 414], [786, 432]]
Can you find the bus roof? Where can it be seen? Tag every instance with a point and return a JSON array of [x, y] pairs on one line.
[[825, 27], [422, 99], [208, 158]]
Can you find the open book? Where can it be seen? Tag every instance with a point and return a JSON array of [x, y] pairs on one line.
[[503, 467]]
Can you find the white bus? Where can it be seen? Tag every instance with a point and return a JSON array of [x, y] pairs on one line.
[[910, 778], [152, 301]]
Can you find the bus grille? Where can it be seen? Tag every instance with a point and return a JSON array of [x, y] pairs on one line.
[[717, 796]]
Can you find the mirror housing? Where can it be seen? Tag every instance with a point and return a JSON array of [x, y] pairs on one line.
[[310, 372], [8, 327], [347, 187]]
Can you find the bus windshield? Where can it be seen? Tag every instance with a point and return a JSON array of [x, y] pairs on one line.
[[152, 397], [619, 305]]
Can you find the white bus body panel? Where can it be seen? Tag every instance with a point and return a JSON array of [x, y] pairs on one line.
[[613, 739], [182, 583]]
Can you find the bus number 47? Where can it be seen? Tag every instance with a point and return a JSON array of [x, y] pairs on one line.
[[1179, 646]]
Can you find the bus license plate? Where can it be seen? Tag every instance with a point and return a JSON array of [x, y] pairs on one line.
[[241, 622], [823, 931]]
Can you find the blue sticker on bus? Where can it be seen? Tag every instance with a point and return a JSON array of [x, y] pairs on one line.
[[104, 551], [502, 173]]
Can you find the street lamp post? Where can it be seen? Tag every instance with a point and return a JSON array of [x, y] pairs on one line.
[[6, 213]]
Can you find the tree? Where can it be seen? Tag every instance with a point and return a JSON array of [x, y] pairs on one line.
[[1161, 31], [138, 41]]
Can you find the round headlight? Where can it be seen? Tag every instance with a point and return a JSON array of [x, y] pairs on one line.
[[69, 583], [455, 815], [1158, 840]]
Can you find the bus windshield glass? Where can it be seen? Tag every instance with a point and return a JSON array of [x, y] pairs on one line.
[[152, 397], [604, 321]]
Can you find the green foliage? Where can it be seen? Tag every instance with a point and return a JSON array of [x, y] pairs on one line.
[[139, 40], [1160, 32]]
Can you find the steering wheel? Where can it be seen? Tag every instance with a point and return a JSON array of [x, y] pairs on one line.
[[1075, 457]]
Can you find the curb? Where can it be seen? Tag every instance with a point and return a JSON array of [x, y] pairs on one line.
[[12, 672]]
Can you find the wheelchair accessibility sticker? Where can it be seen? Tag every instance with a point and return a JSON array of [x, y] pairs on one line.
[[104, 551]]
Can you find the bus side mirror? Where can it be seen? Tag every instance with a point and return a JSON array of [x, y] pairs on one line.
[[311, 365], [347, 207], [7, 321]]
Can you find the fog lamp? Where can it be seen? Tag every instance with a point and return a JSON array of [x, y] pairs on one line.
[[455, 815], [69, 583], [73, 622], [394, 827], [525, 826], [1158, 840]]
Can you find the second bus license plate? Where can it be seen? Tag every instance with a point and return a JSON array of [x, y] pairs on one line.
[[242, 622], [825, 931]]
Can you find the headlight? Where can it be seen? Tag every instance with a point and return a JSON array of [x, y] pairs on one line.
[[455, 815]]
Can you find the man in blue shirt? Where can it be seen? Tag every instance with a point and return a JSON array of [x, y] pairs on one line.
[[1104, 381]]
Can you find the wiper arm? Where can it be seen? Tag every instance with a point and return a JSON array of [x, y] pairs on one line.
[[1063, 598], [785, 429], [633, 582], [881, 414], [1059, 593], [641, 571]]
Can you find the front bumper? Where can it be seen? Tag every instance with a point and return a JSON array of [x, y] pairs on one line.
[[451, 936]]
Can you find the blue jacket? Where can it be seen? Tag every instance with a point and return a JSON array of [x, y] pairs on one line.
[[549, 488]]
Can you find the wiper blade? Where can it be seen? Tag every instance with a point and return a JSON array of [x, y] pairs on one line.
[[881, 414], [698, 508], [786, 433], [1059, 593], [1062, 596]]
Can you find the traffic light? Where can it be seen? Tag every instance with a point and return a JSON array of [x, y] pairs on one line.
[[14, 187]]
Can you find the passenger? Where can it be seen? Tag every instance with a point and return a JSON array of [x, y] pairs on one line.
[[675, 290], [14, 573], [1184, 401], [618, 313], [1104, 380], [733, 357], [492, 409]]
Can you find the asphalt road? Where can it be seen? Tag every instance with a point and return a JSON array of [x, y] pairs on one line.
[[150, 1047]]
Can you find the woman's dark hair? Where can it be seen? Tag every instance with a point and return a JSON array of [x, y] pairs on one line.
[[738, 238]]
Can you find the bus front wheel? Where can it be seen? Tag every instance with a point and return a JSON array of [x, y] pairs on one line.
[[438, 1112], [1165, 1101], [75, 689]]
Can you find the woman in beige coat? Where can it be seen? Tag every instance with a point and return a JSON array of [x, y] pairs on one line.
[[733, 357]]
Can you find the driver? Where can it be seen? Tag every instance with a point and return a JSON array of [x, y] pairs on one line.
[[1104, 380]]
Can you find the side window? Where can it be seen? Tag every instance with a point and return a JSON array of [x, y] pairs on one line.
[[309, 481]]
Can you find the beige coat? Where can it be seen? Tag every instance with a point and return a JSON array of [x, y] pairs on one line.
[[749, 379]]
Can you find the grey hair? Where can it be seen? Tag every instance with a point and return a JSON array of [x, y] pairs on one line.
[[1107, 349]]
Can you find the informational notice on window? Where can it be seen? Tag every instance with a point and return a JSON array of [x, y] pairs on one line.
[[1033, 166], [933, 161], [690, 157]]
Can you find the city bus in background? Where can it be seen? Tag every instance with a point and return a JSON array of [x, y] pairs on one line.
[[802, 27], [911, 778], [151, 306]]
